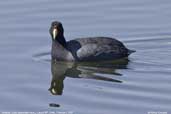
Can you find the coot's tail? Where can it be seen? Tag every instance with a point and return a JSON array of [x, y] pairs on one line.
[[130, 51]]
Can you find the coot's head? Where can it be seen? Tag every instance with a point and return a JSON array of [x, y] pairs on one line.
[[56, 30]]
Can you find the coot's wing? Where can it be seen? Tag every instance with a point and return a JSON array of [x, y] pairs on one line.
[[94, 51], [98, 48]]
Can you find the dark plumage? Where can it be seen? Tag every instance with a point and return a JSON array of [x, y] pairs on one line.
[[85, 49]]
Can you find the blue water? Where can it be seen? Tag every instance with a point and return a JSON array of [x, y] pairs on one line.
[[31, 82]]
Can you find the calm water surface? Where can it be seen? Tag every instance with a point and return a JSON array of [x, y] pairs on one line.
[[30, 81]]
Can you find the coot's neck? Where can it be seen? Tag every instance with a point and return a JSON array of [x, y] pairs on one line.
[[61, 39], [58, 51]]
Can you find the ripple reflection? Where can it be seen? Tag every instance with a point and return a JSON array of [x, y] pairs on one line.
[[86, 70]]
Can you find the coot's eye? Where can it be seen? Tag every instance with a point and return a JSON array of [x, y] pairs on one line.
[[54, 23], [55, 26]]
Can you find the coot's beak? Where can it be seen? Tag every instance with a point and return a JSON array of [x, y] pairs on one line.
[[54, 33]]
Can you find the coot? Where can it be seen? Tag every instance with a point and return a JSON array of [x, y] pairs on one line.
[[85, 49]]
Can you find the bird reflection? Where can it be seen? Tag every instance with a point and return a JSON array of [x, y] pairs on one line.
[[61, 70]]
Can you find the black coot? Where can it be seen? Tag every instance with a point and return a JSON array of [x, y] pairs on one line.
[[85, 49]]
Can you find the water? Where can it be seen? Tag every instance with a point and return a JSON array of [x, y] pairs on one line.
[[29, 81]]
